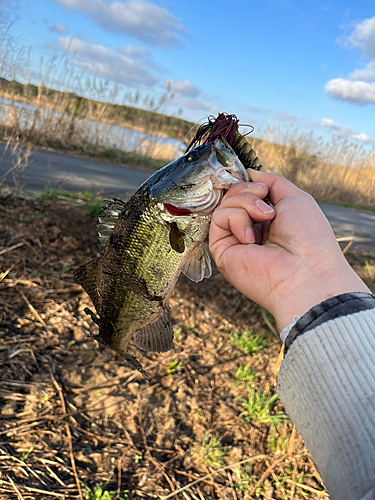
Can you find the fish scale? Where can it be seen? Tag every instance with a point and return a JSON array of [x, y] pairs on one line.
[[140, 271]]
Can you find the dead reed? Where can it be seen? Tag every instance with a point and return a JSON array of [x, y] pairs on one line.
[[335, 171]]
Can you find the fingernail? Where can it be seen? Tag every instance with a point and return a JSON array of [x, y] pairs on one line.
[[249, 235], [263, 207], [255, 185]]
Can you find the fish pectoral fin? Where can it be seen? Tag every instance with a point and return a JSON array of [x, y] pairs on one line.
[[157, 337], [198, 265], [176, 239]]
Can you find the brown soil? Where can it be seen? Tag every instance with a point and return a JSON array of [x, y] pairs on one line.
[[73, 415]]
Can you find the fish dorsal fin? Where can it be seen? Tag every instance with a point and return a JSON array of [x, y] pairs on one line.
[[107, 221], [157, 337], [198, 265]]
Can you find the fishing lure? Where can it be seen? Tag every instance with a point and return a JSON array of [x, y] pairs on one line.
[[226, 125]]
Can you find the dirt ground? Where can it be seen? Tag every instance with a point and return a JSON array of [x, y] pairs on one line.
[[73, 416]]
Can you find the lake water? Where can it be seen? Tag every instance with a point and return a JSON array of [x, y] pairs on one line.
[[51, 122]]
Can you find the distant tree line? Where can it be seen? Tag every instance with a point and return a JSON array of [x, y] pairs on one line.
[[79, 106]]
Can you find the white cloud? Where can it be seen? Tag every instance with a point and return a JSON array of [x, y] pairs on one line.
[[134, 52], [185, 95], [184, 87], [345, 132], [364, 138], [365, 74], [129, 65], [194, 104], [286, 117], [363, 37], [359, 86], [59, 28], [357, 92], [138, 18], [255, 109], [280, 115]]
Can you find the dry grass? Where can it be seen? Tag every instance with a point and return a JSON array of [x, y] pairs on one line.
[[55, 123], [334, 171], [73, 418], [64, 120]]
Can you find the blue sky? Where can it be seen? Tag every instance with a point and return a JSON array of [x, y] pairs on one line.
[[304, 64]]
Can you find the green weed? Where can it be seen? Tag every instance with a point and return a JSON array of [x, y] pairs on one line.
[[94, 206], [286, 476], [260, 408], [49, 194], [93, 203], [175, 366], [267, 317], [244, 477], [211, 452], [25, 455], [248, 342], [146, 162], [178, 334], [99, 493], [244, 375], [278, 438], [369, 268]]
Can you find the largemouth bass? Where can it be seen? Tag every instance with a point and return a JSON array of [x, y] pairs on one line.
[[148, 241]]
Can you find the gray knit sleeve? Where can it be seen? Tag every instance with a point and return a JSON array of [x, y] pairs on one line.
[[327, 385]]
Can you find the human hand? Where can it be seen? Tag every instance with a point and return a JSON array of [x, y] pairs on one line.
[[299, 264]]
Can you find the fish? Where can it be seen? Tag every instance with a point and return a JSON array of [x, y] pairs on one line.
[[146, 242]]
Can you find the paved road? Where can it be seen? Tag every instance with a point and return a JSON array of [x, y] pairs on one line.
[[74, 174], [66, 172]]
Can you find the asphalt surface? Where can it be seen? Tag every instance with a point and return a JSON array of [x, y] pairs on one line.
[[73, 174], [78, 174]]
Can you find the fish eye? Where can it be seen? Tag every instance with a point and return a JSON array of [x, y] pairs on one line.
[[192, 156]]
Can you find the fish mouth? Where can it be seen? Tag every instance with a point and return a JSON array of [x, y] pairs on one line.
[[202, 195], [203, 201], [177, 212]]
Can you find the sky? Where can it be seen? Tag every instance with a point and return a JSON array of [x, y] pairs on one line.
[[295, 64]]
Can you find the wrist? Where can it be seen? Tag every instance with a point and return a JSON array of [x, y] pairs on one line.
[[297, 302], [340, 306]]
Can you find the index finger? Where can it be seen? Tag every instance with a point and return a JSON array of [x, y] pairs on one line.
[[278, 187]]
